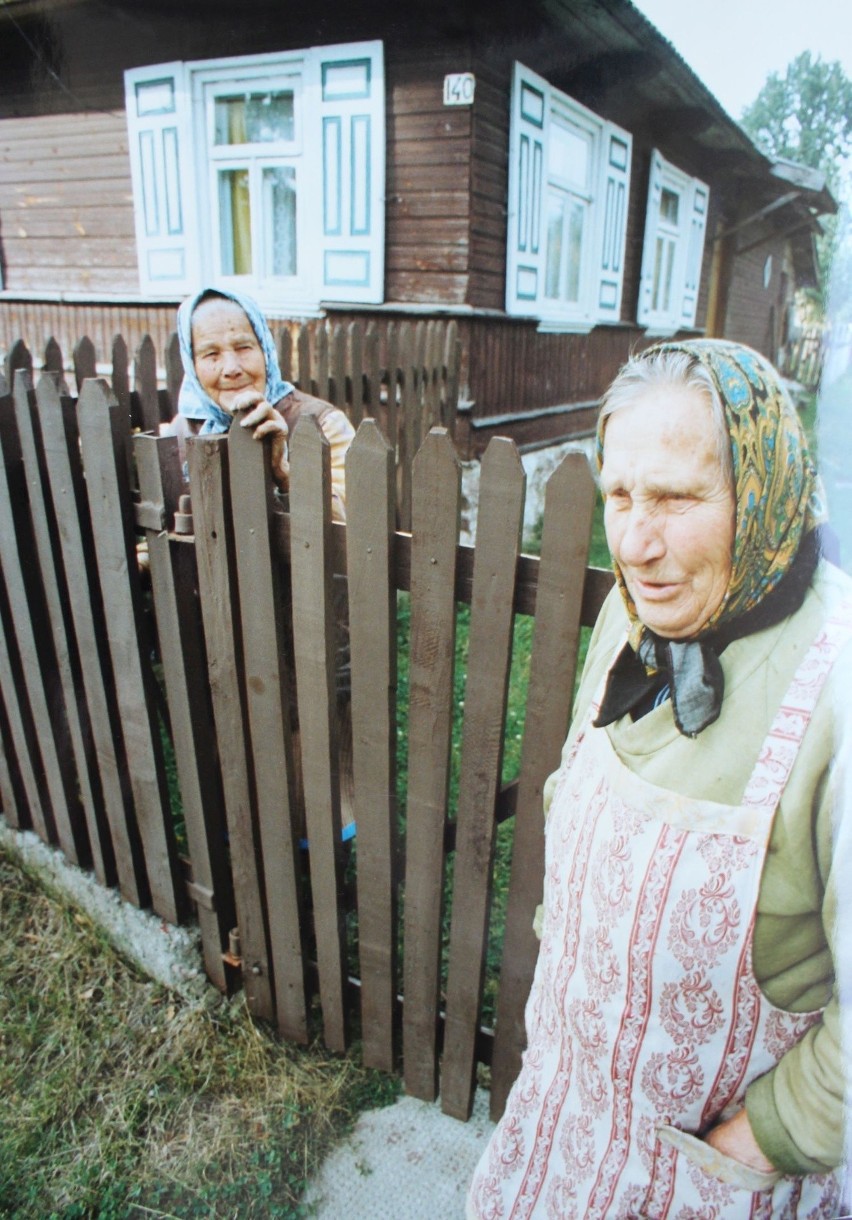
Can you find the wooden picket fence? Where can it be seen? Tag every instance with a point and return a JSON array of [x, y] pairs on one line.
[[236, 582], [406, 377]]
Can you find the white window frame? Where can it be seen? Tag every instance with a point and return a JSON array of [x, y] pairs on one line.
[[536, 107], [337, 153], [685, 240]]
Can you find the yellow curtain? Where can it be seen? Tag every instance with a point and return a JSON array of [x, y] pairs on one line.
[[240, 200]]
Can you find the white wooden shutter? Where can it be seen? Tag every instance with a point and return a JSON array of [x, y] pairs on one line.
[[527, 179], [160, 143], [351, 109], [613, 200], [699, 198], [652, 214]]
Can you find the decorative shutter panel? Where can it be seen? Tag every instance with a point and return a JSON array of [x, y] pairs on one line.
[[652, 214], [527, 179], [160, 144], [614, 196], [351, 109], [699, 197]]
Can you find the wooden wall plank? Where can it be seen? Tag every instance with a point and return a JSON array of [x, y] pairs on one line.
[[355, 331], [569, 508], [337, 366], [500, 518], [268, 701], [104, 440], [409, 395], [179, 630], [436, 505], [371, 509], [85, 360], [68, 671], [314, 637], [209, 481]]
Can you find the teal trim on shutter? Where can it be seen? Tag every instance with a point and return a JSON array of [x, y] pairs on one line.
[[697, 227], [613, 201], [530, 111], [652, 213], [159, 138]]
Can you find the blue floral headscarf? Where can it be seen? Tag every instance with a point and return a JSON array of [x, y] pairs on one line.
[[193, 401]]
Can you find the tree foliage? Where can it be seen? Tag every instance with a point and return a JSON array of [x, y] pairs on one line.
[[804, 115]]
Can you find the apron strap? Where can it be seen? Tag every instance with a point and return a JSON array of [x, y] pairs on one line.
[[779, 750]]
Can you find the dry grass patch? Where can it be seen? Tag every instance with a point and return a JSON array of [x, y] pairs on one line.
[[124, 1100]]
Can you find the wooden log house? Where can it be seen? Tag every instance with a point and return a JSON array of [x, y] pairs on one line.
[[552, 175]]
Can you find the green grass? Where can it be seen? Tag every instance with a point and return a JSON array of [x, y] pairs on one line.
[[122, 1100]]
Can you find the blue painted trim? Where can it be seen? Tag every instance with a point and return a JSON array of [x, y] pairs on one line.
[[331, 64], [362, 283], [364, 120], [332, 208]]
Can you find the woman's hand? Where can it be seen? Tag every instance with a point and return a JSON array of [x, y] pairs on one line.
[[264, 420], [734, 1138]]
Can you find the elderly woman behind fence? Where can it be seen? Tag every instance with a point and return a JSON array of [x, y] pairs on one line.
[[231, 366], [683, 1053]]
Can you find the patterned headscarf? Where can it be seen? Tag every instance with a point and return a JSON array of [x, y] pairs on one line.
[[779, 501], [193, 401]]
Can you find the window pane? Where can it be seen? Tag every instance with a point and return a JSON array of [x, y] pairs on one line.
[[575, 252], [235, 222], [569, 155], [658, 267], [553, 263], [664, 258], [669, 202], [254, 118], [667, 294], [279, 220]]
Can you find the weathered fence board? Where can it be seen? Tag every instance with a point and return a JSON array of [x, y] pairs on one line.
[[314, 637], [181, 642], [268, 702], [11, 791], [569, 506], [45, 530], [69, 495], [501, 508], [101, 417], [372, 637], [220, 609], [435, 521], [22, 735], [58, 815]]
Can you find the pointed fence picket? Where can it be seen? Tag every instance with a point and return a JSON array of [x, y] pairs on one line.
[[242, 616]]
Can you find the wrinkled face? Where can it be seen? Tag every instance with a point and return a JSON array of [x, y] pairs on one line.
[[669, 508], [225, 351]]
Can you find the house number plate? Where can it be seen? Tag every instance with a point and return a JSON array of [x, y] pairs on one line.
[[459, 88]]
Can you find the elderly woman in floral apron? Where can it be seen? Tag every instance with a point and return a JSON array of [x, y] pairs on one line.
[[683, 1054]]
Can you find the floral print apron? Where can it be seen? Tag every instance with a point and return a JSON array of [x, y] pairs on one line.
[[645, 1023]]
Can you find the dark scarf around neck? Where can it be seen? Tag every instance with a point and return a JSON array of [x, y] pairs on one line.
[[691, 669]]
